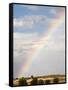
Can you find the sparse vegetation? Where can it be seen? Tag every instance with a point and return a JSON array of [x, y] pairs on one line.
[[32, 77], [34, 81], [47, 81], [22, 82], [40, 80], [55, 80]]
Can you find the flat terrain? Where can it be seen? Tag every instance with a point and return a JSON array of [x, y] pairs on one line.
[[61, 79]]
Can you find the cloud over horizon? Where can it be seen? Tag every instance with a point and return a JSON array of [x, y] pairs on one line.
[[35, 39]]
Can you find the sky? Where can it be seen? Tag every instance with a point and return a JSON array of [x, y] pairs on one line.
[[39, 40]]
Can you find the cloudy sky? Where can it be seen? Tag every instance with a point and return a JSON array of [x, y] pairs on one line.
[[39, 40]]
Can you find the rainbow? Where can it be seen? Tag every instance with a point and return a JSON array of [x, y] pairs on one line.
[[44, 40]]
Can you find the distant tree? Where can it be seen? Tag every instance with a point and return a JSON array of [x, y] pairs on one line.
[[22, 82], [16, 78], [47, 81], [40, 82], [32, 77], [34, 81], [55, 80]]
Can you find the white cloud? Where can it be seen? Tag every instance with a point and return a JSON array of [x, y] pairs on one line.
[[28, 42], [29, 21], [31, 7], [24, 42], [23, 23]]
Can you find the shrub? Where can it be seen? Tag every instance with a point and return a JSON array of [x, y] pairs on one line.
[[40, 82], [47, 81], [22, 82], [32, 77], [34, 81], [55, 80]]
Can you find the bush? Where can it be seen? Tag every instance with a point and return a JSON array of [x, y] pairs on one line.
[[32, 77], [34, 81], [56, 80], [40, 82], [47, 81], [22, 82]]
